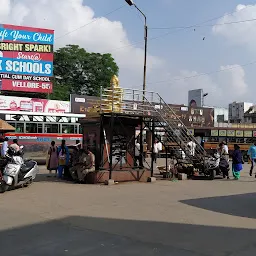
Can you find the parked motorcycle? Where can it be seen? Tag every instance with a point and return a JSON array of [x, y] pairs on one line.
[[17, 172], [217, 166]]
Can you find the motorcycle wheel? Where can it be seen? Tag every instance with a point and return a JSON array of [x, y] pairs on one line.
[[3, 187], [212, 175]]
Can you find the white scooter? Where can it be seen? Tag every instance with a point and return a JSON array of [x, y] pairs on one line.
[[17, 173]]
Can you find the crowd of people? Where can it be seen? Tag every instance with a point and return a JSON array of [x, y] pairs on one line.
[[237, 158], [77, 165], [5, 146]]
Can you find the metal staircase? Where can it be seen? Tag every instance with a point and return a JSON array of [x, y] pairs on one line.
[[152, 106]]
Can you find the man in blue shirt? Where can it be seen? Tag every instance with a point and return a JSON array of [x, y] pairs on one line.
[[252, 155]]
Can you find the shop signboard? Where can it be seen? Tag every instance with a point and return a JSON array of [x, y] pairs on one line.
[[193, 117], [83, 104], [26, 59], [9, 103]]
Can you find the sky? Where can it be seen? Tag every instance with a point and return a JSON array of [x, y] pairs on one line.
[[192, 43]]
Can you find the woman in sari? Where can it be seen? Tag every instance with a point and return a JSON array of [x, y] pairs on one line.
[[237, 165], [53, 158]]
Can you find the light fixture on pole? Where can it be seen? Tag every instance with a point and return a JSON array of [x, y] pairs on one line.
[[131, 3], [204, 95]]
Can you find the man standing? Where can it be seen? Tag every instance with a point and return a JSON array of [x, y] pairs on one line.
[[137, 154], [252, 155], [155, 151], [4, 147], [192, 147]]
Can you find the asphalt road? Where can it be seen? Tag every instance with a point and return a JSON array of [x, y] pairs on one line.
[[182, 218]]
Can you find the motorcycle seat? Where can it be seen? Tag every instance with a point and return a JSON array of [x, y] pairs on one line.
[[27, 167]]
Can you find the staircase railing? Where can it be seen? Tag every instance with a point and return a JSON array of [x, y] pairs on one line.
[[137, 102]]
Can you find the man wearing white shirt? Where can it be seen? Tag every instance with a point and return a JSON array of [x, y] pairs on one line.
[[192, 147], [4, 147], [155, 151], [160, 146], [137, 153]]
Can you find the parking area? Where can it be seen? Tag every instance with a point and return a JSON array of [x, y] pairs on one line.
[[187, 218]]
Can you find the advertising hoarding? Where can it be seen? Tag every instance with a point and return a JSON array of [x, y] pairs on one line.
[[248, 134], [83, 104], [222, 133], [194, 117], [9, 103], [26, 59]]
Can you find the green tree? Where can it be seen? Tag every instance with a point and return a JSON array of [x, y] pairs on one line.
[[81, 72]]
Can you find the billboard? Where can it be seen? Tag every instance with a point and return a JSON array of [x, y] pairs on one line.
[[194, 117], [9, 103], [26, 59], [195, 98], [83, 104]]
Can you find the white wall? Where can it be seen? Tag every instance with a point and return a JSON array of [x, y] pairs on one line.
[[220, 112]]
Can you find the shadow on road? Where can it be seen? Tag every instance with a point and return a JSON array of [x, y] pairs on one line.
[[242, 205], [113, 237]]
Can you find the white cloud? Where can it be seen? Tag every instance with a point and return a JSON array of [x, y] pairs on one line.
[[240, 33], [102, 35], [223, 87]]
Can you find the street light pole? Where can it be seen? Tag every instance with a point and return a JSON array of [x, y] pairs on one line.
[[130, 2]]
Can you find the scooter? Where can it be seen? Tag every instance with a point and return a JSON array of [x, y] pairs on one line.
[[217, 166], [17, 172]]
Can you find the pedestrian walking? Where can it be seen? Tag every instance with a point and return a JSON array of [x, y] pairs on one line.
[[52, 159], [63, 156], [237, 165], [224, 161], [252, 156], [225, 153]]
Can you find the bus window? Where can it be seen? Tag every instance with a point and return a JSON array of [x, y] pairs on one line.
[[51, 128], [31, 127], [19, 127], [214, 139], [68, 128], [231, 139], [40, 128]]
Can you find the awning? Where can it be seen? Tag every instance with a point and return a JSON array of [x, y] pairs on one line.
[[4, 126]]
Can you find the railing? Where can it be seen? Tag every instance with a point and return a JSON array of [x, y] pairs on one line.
[[137, 102]]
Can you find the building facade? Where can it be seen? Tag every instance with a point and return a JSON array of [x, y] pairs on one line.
[[237, 111]]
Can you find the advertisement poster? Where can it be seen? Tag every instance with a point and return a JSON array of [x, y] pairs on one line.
[[222, 133], [9, 103], [247, 134], [26, 59], [240, 134], [231, 133], [82, 104], [214, 133], [193, 117]]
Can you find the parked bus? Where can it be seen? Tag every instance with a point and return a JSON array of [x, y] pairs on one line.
[[36, 131]]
